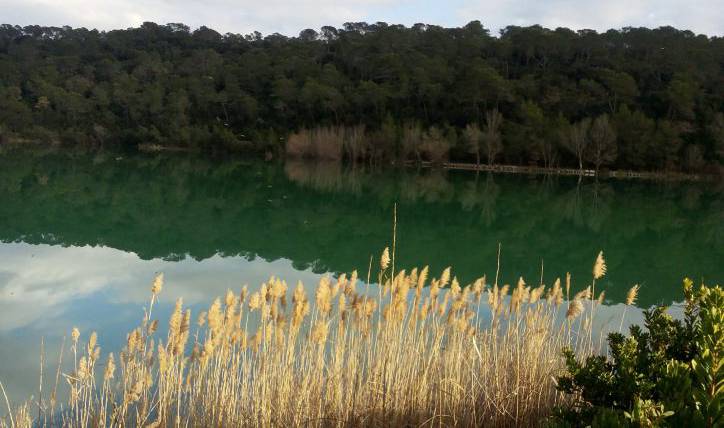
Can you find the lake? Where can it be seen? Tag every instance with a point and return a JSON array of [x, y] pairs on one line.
[[82, 235]]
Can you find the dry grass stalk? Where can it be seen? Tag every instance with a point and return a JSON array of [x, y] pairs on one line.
[[407, 358]]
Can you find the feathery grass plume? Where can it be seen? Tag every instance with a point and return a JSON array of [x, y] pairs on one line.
[[182, 336], [536, 293], [319, 333], [422, 277], [584, 294], [445, 277], [601, 297], [367, 368], [504, 291], [323, 296], [631, 295], [229, 299], [574, 309], [552, 295], [254, 301], [174, 324], [633, 292], [299, 294], [340, 285], [92, 342], [133, 342], [412, 278], [157, 285], [351, 286], [479, 287], [300, 306], [434, 290], [599, 268], [110, 370], [201, 319], [385, 259], [152, 327], [517, 297], [493, 295], [214, 317], [455, 287]]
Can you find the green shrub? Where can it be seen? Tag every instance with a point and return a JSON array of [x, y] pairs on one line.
[[669, 373]]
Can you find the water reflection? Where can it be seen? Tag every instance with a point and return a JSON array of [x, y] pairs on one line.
[[82, 235], [46, 290], [330, 218]]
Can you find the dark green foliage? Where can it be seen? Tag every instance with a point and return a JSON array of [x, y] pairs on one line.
[[669, 374], [653, 97]]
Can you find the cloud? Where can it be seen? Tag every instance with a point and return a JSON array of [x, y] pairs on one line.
[[290, 16], [284, 16], [40, 284], [700, 16], [46, 290]]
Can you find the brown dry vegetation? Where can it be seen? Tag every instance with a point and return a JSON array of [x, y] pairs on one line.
[[411, 352], [328, 143]]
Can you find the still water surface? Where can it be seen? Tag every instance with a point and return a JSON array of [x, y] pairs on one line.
[[82, 235]]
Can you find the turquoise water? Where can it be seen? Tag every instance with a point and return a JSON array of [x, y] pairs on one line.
[[82, 235]]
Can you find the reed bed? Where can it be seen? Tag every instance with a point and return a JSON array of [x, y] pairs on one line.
[[412, 351]]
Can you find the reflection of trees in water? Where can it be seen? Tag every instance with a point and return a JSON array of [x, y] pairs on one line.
[[431, 186], [601, 197], [481, 194], [586, 204], [331, 217], [570, 205], [324, 176], [691, 197]]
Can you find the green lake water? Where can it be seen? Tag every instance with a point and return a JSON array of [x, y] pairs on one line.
[[82, 235]]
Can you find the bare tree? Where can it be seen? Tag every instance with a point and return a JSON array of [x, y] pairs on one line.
[[411, 140], [473, 135], [546, 149], [491, 135], [577, 140], [603, 149]]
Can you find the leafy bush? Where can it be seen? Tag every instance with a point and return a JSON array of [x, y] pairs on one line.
[[669, 374]]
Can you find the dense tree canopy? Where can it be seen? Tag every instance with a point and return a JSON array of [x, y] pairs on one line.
[[635, 98]]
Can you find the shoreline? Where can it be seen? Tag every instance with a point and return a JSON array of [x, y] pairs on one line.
[[537, 170], [455, 166]]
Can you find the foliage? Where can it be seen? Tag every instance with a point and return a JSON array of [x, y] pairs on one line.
[[201, 90], [671, 374]]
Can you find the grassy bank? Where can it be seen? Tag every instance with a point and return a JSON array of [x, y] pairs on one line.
[[415, 351]]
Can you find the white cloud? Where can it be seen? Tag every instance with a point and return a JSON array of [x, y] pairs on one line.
[[291, 16], [46, 290], [284, 16], [40, 283], [700, 16]]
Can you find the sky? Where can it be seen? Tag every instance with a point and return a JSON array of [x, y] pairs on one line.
[[290, 16]]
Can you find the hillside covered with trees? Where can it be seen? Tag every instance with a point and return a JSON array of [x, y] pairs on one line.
[[634, 98]]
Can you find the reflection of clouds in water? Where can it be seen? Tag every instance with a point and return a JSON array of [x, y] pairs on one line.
[[45, 290], [39, 282]]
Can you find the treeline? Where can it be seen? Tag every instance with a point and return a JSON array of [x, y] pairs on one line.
[[635, 98]]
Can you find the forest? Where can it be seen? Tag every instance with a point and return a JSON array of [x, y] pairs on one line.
[[635, 98]]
